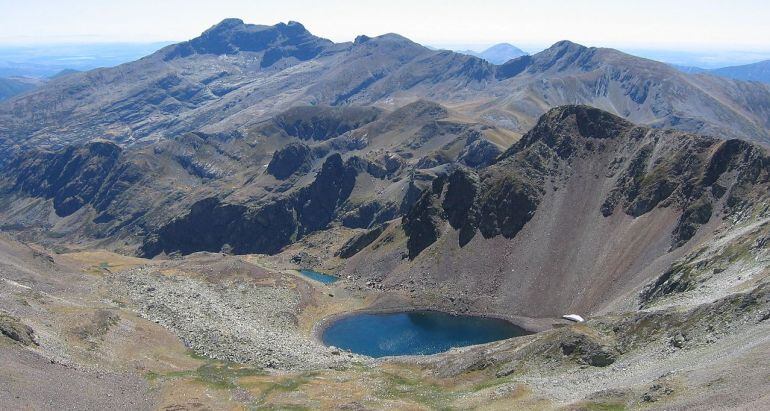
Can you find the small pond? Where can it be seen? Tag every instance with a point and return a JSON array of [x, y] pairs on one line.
[[320, 277], [414, 332]]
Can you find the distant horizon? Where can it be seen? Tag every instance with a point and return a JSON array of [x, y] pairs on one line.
[[653, 24], [528, 46], [710, 59]]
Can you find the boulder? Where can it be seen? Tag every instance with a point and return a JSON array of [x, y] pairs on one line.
[[12, 328]]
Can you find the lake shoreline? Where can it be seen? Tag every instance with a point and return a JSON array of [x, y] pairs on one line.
[[531, 325]]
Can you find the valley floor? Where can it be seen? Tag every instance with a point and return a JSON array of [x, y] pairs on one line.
[[210, 331]]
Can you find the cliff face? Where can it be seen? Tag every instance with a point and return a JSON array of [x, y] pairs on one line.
[[212, 225], [73, 177]]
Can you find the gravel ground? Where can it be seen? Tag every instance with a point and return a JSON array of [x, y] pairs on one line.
[[35, 382], [234, 321], [654, 365]]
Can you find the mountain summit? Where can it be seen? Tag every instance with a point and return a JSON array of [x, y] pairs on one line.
[[232, 36]]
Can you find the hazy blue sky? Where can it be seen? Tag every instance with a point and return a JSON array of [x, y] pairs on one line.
[[672, 24]]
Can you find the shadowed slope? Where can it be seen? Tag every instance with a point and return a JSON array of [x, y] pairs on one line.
[[584, 208]]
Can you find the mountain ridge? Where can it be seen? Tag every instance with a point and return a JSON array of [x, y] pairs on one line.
[[267, 69], [759, 71], [12, 86]]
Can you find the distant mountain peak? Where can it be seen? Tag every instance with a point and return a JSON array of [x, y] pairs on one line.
[[498, 53], [567, 44], [361, 39], [226, 23], [565, 55], [394, 38], [232, 35], [390, 41], [504, 47], [223, 26], [563, 47]]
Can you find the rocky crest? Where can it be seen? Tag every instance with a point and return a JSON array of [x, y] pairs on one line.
[[232, 36]]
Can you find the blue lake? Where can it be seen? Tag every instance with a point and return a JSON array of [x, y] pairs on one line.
[[414, 332], [320, 277]]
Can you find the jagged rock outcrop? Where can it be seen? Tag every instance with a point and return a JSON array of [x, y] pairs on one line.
[[690, 173], [587, 350], [360, 241], [434, 159], [369, 214], [508, 202], [497, 202], [212, 225], [460, 203], [422, 223], [478, 152], [676, 279], [317, 204], [293, 158]]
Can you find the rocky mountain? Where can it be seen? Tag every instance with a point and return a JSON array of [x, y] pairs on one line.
[[280, 170], [690, 69], [584, 208], [236, 75], [63, 73], [637, 89], [497, 54]]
